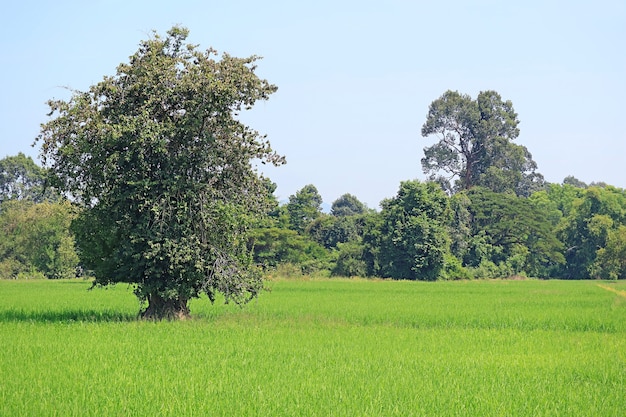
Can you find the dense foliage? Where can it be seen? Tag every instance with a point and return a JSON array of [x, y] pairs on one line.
[[162, 170], [561, 231], [35, 239], [22, 179], [413, 238]]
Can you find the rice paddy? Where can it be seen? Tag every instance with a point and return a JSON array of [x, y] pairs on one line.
[[332, 347]]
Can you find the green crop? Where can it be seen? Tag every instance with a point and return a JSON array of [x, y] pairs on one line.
[[319, 348]]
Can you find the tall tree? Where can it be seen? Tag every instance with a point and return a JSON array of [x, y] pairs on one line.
[[162, 167], [475, 145]]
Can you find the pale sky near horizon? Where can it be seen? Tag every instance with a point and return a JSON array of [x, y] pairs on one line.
[[355, 78]]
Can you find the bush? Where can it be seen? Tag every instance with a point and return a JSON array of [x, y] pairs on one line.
[[453, 269], [11, 268], [350, 261]]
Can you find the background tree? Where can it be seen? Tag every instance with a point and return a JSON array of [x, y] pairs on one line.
[[162, 168], [274, 246], [344, 224], [460, 225], [22, 179], [304, 207], [413, 234], [347, 205], [475, 145], [330, 231], [350, 260], [593, 217], [610, 260], [575, 182], [510, 235], [35, 239]]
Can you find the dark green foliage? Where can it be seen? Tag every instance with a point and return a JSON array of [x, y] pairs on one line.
[[475, 145], [610, 261], [161, 166], [274, 246], [510, 233], [372, 240], [350, 260], [460, 227], [330, 231], [299, 236], [413, 237]]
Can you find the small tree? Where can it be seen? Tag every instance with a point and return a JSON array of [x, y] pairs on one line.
[[162, 168]]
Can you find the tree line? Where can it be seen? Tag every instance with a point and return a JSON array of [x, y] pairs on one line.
[[150, 179], [561, 231], [569, 231], [484, 212]]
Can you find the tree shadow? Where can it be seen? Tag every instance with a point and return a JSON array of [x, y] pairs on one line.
[[66, 316]]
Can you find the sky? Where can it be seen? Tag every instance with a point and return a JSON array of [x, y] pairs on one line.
[[355, 78]]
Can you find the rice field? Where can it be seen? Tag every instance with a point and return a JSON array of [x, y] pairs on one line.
[[332, 347]]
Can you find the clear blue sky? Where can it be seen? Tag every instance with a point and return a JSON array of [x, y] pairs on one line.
[[355, 78]]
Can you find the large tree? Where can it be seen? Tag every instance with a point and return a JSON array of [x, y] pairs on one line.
[[163, 170], [475, 145]]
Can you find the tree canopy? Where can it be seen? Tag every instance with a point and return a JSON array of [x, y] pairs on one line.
[[475, 145], [163, 171], [347, 205], [413, 237], [593, 223]]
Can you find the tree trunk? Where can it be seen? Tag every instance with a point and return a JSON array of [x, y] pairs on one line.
[[160, 308]]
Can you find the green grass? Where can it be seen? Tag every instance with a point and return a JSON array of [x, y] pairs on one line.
[[319, 348]]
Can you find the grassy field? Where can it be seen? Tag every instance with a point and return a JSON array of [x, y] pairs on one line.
[[319, 348]]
